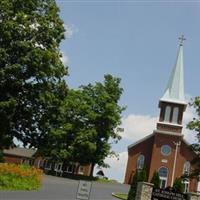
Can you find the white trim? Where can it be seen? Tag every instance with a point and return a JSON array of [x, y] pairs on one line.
[[170, 124], [141, 140], [175, 101], [162, 177], [186, 183], [140, 161], [154, 132], [186, 168], [81, 169], [168, 133]]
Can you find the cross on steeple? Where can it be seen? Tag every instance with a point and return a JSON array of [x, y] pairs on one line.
[[182, 38]]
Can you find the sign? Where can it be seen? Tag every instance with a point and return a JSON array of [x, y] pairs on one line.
[[84, 189], [160, 194]]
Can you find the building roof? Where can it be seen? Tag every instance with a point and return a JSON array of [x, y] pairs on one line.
[[175, 88], [21, 152], [151, 135], [141, 140]]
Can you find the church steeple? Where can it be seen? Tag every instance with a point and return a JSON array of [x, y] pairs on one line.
[[173, 104], [175, 87]]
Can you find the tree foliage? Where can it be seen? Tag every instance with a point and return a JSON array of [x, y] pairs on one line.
[[195, 123], [36, 107], [139, 176], [178, 185], [31, 72], [88, 125], [195, 126], [156, 179]]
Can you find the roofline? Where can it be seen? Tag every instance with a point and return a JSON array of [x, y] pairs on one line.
[[173, 101], [141, 140], [170, 124], [15, 155], [168, 133]]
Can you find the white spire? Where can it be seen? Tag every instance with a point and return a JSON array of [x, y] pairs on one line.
[[175, 89]]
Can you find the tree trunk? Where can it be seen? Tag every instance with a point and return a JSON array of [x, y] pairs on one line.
[[92, 169]]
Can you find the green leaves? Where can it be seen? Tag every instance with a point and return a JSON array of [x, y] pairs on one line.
[[89, 120], [36, 106], [195, 123], [32, 85], [195, 126]]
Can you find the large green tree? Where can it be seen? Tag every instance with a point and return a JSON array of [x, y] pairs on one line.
[[32, 82], [103, 119], [89, 124]]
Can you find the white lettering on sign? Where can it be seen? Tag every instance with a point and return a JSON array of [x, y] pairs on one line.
[[84, 189]]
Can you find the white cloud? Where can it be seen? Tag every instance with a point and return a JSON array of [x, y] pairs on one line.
[[117, 167], [70, 30], [189, 135], [138, 126], [64, 58]]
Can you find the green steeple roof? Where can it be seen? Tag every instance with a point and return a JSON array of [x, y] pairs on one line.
[[175, 88]]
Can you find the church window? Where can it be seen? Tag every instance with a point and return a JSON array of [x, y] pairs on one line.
[[175, 115], [186, 168], [163, 174], [140, 162], [167, 114], [81, 170], [186, 184], [165, 150]]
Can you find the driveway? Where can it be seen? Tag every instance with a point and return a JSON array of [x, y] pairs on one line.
[[56, 188]]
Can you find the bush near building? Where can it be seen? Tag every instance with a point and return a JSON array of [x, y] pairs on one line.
[[19, 177], [156, 180], [139, 176]]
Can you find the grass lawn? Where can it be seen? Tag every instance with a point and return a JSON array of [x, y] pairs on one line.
[[19, 177], [103, 180], [120, 196]]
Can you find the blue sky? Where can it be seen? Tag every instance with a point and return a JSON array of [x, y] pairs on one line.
[[136, 41]]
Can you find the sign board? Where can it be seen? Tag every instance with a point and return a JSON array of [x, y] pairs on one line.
[[161, 194], [84, 189]]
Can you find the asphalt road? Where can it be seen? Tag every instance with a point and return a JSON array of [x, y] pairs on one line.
[[55, 188]]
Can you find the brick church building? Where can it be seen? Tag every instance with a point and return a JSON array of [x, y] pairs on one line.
[[165, 150]]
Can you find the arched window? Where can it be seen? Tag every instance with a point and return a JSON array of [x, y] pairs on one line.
[[175, 115], [186, 184], [140, 162], [167, 114], [186, 168], [163, 173]]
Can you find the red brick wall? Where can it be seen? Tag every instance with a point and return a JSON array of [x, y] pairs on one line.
[[144, 148], [154, 159], [13, 159]]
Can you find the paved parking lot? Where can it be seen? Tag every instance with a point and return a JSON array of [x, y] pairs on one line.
[[55, 188]]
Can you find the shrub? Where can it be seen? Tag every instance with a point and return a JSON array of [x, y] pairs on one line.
[[178, 185], [19, 177], [139, 176], [156, 180]]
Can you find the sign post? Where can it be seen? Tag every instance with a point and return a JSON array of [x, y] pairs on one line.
[[84, 189]]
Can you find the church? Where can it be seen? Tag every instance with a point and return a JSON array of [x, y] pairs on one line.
[[165, 150]]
